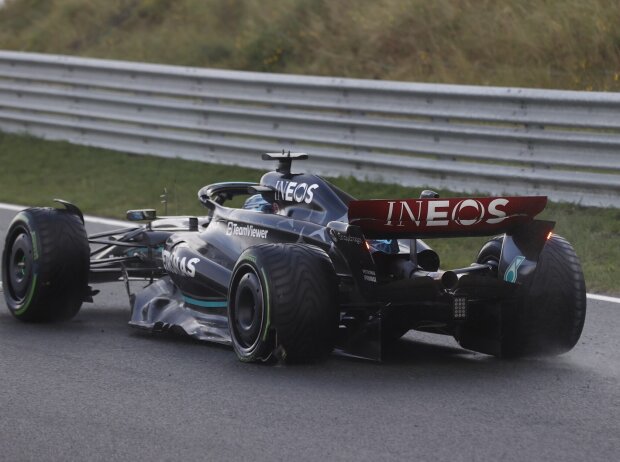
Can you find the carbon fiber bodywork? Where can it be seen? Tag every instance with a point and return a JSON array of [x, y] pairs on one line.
[[189, 263]]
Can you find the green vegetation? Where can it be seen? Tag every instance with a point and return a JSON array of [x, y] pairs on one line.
[[107, 183], [571, 44]]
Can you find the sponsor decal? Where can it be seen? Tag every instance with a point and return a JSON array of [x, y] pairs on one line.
[[369, 275], [467, 212], [214, 303], [291, 191], [179, 265], [346, 238], [512, 273], [234, 229]]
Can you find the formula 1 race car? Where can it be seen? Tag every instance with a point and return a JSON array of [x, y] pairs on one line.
[[303, 268]]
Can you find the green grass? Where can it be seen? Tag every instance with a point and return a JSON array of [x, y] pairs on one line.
[[571, 44], [107, 183]]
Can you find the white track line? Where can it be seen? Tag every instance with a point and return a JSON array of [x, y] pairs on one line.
[[119, 223], [603, 298]]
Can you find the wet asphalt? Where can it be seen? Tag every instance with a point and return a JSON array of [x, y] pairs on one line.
[[95, 389]]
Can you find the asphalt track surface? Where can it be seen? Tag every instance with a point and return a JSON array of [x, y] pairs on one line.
[[95, 389]]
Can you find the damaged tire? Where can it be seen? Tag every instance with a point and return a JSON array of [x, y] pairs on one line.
[[283, 301]]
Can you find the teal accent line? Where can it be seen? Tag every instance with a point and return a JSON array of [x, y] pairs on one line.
[[207, 303]]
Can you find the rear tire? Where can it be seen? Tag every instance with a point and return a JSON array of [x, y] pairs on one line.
[[45, 265], [283, 301], [549, 314]]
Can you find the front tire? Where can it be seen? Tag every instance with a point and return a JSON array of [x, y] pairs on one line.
[[283, 301], [45, 265]]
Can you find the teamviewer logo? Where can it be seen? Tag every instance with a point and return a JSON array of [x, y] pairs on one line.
[[230, 228]]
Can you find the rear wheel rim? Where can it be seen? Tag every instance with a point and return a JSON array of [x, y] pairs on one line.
[[247, 311]]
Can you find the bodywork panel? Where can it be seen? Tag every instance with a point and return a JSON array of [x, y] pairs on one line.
[[385, 271], [162, 307]]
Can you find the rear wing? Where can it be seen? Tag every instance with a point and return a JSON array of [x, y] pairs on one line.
[[450, 217]]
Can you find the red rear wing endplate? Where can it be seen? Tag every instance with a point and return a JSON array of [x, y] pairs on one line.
[[450, 217]]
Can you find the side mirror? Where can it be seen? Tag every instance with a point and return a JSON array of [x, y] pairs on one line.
[[142, 215]]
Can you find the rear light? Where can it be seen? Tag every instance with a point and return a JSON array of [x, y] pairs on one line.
[[460, 308], [549, 235]]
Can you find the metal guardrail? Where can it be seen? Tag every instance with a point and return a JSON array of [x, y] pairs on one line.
[[493, 140]]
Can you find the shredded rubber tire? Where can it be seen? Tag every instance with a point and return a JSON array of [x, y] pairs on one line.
[[58, 262], [301, 301]]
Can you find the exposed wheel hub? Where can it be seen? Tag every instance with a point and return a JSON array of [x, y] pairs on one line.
[[248, 309]]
